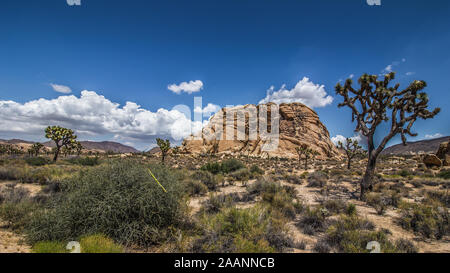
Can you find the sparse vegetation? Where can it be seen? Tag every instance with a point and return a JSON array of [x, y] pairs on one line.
[[273, 188]]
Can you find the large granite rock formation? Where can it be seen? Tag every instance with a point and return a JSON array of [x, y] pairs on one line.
[[298, 125]]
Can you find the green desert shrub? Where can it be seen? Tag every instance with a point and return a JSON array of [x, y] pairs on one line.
[[445, 174], [85, 161], [351, 210], [404, 173], [317, 179], [216, 202], [231, 165], [242, 231], [351, 234], [437, 197], [8, 173], [195, 187], [16, 206], [207, 179], [17, 215], [429, 221], [313, 220], [37, 161], [241, 174], [322, 247], [263, 185], [212, 167], [99, 243], [49, 247], [405, 246], [335, 206], [256, 170], [378, 202], [120, 200], [293, 179]]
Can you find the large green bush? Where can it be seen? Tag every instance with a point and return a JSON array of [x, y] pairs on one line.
[[227, 166], [212, 167], [120, 200], [231, 165], [85, 161], [37, 161]]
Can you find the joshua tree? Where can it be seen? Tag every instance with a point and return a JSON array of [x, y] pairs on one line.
[[305, 152], [351, 148], [78, 147], [62, 137], [36, 148], [164, 146], [373, 103], [3, 149]]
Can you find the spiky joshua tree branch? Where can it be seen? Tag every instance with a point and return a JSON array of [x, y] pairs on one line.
[[375, 102]]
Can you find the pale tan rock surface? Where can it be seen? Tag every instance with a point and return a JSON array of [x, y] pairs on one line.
[[298, 125]]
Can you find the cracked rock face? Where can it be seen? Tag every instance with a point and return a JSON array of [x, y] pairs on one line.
[[443, 153], [298, 125]]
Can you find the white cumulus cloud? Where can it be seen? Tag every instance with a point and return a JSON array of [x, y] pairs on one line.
[[208, 110], [93, 114], [305, 91], [61, 88], [186, 87], [437, 135], [343, 139]]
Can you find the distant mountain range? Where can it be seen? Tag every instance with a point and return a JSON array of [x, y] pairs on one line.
[[425, 146], [88, 145]]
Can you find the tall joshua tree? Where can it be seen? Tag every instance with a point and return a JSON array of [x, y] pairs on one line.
[[375, 102], [351, 148], [164, 146], [62, 137]]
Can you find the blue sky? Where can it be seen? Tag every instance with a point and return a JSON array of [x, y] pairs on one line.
[[132, 50]]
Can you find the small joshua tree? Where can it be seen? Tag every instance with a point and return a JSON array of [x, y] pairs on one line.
[[164, 146], [305, 152], [35, 149], [373, 103], [351, 148], [3, 149], [62, 137]]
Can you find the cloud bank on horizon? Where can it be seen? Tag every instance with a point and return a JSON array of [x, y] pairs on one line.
[[92, 114]]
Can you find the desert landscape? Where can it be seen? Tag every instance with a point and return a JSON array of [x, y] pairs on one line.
[[225, 135], [225, 196]]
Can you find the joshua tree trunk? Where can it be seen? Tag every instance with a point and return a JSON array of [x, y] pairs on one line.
[[55, 157], [367, 180]]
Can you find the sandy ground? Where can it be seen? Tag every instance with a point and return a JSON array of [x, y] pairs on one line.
[[11, 242]]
